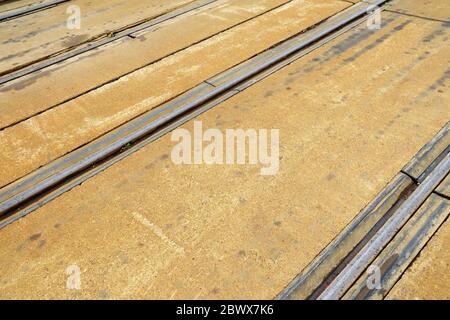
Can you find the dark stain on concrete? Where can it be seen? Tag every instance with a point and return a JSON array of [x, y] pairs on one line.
[[17, 54], [377, 42], [34, 237], [440, 82], [215, 291], [354, 38], [34, 33], [436, 85], [103, 294], [75, 40], [268, 94], [149, 166], [26, 81], [433, 35]]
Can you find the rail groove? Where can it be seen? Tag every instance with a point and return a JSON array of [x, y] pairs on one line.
[[23, 70], [19, 12], [32, 191], [388, 234]]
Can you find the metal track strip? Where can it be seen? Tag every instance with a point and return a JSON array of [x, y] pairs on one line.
[[313, 280], [397, 207], [49, 61], [28, 188], [356, 267], [77, 180], [19, 12], [401, 251], [429, 156]]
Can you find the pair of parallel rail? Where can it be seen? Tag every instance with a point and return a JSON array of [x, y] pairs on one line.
[[411, 207]]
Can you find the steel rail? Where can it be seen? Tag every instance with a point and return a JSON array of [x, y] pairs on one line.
[[354, 269], [68, 185], [109, 162], [19, 12], [85, 47], [30, 189], [321, 272]]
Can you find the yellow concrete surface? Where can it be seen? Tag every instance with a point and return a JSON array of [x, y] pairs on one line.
[[403, 249], [12, 5], [429, 275], [350, 115], [433, 9], [39, 91], [31, 37], [444, 187], [35, 142]]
